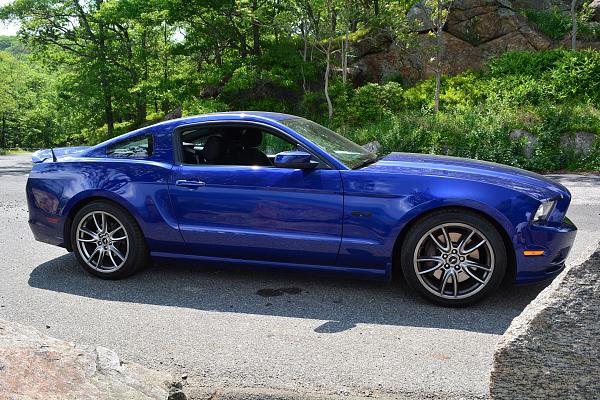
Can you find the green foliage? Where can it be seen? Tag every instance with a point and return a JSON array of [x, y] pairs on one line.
[[557, 24], [366, 103], [485, 135], [553, 22], [127, 63], [551, 94], [203, 106]]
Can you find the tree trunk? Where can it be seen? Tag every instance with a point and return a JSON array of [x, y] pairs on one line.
[[303, 30], [243, 47], [345, 57], [218, 58], [376, 7], [3, 135], [574, 22], [140, 110], [255, 30], [438, 61], [108, 113], [327, 70]]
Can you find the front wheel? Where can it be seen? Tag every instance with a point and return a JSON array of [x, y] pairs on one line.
[[107, 241], [453, 257]]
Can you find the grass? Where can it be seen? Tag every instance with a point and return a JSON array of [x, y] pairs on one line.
[[4, 152]]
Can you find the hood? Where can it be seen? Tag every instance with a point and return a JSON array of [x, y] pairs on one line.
[[60, 152], [533, 184]]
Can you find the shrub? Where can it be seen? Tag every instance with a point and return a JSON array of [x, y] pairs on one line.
[[551, 22], [366, 103], [196, 106]]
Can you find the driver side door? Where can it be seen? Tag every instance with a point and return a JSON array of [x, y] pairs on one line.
[[260, 213]]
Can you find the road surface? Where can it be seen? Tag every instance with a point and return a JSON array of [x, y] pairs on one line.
[[223, 328]]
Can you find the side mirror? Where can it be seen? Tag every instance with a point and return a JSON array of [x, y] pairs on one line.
[[294, 159]]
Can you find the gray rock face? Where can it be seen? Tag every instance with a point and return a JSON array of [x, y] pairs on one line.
[[595, 5], [475, 31], [580, 142], [552, 350], [36, 366], [419, 17], [529, 141]]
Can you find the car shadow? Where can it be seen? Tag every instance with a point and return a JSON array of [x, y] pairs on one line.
[[341, 302]]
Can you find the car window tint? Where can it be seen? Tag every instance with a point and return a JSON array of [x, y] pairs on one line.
[[272, 144], [137, 147]]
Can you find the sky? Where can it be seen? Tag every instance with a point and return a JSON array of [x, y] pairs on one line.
[[7, 29]]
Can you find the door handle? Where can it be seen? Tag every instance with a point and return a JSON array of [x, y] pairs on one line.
[[189, 183]]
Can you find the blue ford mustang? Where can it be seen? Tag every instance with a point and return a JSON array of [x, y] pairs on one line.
[[272, 189]]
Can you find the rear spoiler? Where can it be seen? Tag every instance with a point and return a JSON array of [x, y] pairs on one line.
[[43, 155]]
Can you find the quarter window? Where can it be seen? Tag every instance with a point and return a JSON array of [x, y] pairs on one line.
[[136, 147]]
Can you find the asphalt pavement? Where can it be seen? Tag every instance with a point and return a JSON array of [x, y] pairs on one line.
[[266, 330]]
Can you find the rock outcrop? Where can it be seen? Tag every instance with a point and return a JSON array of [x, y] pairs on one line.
[[475, 31], [36, 366], [552, 350], [595, 6]]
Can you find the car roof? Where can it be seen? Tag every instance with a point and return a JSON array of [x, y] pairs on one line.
[[241, 115]]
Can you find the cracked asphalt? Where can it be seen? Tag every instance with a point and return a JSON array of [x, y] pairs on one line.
[[266, 333]]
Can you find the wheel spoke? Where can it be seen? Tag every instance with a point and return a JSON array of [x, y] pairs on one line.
[[446, 239], [464, 241], [440, 246], [473, 264], [429, 270], [455, 283], [472, 249], [88, 232], [96, 223], [93, 254], [445, 278], [430, 258], [100, 259], [87, 240], [472, 275], [110, 255], [116, 252], [103, 222], [111, 234]]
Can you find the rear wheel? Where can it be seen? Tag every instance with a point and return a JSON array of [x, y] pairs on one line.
[[453, 257], [107, 241]]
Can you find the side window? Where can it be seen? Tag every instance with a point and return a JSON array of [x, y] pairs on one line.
[[272, 144], [136, 147]]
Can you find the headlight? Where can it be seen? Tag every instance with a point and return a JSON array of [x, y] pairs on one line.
[[544, 211]]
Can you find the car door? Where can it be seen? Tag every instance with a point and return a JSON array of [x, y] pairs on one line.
[[259, 213]]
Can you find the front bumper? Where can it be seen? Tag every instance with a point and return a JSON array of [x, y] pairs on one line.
[[556, 243]]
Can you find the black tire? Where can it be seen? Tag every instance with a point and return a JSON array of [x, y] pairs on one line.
[[429, 233], [135, 254]]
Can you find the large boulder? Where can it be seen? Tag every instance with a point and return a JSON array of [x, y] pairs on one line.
[[476, 30], [595, 6], [579, 142], [36, 366], [551, 350]]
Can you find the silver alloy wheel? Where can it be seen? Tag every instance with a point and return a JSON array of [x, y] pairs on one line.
[[102, 241], [454, 261]]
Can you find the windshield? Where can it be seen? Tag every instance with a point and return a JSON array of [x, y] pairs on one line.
[[346, 151]]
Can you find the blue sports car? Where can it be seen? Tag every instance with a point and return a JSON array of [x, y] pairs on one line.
[[259, 188]]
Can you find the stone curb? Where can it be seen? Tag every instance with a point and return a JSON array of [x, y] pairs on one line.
[[552, 350]]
